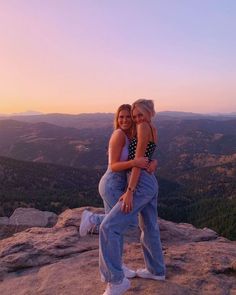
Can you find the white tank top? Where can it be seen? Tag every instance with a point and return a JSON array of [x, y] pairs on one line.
[[124, 152]]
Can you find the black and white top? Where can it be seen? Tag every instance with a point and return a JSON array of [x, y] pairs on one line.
[[151, 146]]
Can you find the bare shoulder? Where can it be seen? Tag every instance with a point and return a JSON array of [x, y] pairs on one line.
[[143, 127], [118, 136], [118, 133], [147, 131], [143, 131]]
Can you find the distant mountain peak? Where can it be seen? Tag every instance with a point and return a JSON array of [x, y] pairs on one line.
[[27, 113]]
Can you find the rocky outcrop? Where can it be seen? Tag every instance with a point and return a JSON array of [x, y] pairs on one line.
[[58, 261], [32, 217], [23, 218]]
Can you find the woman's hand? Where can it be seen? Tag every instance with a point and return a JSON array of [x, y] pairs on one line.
[[127, 202], [152, 166], [141, 162]]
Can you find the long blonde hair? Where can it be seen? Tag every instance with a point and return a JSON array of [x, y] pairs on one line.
[[146, 105]]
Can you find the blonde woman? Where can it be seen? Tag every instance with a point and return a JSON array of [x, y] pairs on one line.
[[140, 197], [113, 183]]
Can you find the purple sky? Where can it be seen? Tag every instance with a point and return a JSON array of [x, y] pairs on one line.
[[91, 56]]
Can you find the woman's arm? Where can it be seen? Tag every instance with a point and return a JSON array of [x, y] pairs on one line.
[[116, 145], [143, 130], [141, 162], [152, 166]]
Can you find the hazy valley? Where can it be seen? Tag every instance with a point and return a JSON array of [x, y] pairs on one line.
[[56, 166]]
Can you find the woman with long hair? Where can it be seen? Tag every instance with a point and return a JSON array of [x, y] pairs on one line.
[[140, 197], [113, 183]]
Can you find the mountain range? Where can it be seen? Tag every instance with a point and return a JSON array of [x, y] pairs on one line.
[[196, 166], [98, 120]]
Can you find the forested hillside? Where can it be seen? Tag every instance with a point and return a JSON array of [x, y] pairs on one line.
[[55, 188], [46, 186], [57, 167]]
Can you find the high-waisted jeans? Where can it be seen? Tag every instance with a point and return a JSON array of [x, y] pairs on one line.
[[115, 224], [111, 186]]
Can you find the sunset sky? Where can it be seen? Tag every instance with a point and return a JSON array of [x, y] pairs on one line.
[[74, 56]]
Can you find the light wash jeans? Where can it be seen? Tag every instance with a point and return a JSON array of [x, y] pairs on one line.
[[115, 224], [111, 187]]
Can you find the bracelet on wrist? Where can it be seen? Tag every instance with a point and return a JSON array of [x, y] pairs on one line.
[[131, 190]]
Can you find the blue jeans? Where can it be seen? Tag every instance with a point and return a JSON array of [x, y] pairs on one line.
[[111, 186], [115, 224]]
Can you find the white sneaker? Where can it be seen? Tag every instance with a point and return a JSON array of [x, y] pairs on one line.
[[114, 289], [145, 274], [85, 223], [129, 273]]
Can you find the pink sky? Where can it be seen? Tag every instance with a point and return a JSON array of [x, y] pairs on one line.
[[90, 56]]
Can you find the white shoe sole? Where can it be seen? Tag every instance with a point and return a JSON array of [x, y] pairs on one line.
[[120, 292], [129, 273], [129, 276], [84, 220], [150, 276]]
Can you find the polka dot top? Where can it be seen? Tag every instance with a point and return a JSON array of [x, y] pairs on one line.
[[149, 150]]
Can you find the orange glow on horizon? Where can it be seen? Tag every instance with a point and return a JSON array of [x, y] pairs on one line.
[[86, 57]]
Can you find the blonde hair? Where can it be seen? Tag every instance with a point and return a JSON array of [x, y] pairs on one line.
[[146, 105], [126, 107]]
